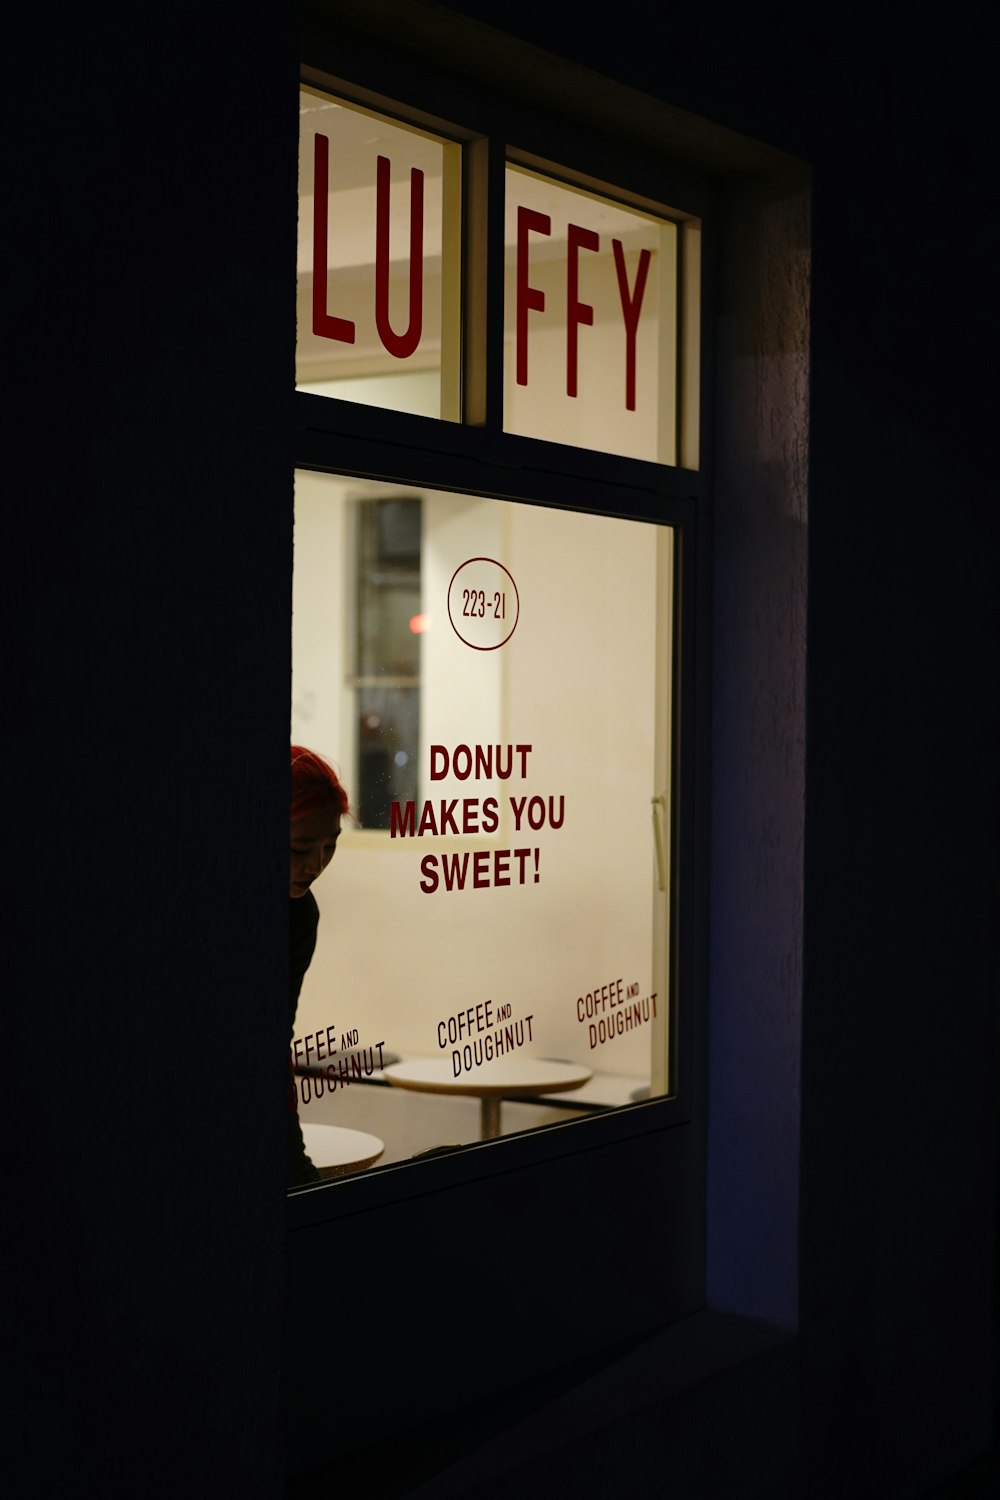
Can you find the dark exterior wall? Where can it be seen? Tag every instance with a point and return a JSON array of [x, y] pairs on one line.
[[758, 791], [896, 1219], [147, 515]]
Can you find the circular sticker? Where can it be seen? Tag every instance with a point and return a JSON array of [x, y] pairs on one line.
[[483, 603]]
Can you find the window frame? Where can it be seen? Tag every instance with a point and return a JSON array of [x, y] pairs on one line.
[[476, 456], [698, 1229]]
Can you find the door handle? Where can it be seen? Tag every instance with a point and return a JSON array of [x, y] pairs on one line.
[[659, 813]]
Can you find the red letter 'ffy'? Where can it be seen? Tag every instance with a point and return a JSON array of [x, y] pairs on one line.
[[527, 296], [631, 307], [577, 312]]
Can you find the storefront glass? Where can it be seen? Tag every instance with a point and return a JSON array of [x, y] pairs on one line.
[[590, 326], [379, 260], [493, 682]]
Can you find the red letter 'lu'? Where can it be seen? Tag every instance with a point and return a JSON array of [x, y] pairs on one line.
[[324, 324], [401, 345]]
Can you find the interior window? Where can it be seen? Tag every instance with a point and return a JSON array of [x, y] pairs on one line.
[[388, 628]]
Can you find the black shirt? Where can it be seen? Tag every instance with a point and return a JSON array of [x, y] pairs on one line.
[[303, 920]]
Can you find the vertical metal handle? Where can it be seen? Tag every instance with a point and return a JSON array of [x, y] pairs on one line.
[[659, 812]]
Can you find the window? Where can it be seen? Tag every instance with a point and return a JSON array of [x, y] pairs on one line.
[[498, 922], [605, 1224], [378, 276], [591, 318], [492, 634]]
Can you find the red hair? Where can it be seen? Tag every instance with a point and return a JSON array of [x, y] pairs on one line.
[[315, 785]]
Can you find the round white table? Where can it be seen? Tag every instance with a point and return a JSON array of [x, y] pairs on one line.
[[335, 1150], [503, 1078]]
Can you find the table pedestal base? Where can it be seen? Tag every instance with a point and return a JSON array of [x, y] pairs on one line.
[[489, 1118]]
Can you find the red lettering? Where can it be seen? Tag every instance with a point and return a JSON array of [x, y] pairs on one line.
[[401, 345], [577, 312], [448, 824], [466, 753], [324, 325], [484, 762], [401, 820], [455, 868], [477, 762], [428, 823], [477, 871], [528, 297], [631, 307]]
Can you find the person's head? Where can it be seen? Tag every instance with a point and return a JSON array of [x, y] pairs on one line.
[[319, 801]]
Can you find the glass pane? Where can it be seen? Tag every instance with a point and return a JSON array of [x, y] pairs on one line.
[[590, 321], [492, 943], [388, 587], [379, 271], [388, 730]]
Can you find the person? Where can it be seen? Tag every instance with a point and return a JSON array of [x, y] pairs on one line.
[[319, 803]]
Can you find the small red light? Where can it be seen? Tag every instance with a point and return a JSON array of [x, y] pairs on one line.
[[420, 623]]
